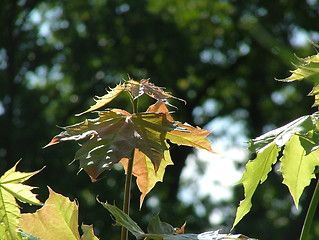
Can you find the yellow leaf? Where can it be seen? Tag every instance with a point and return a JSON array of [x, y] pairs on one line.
[[11, 187], [58, 218], [297, 166], [102, 101]]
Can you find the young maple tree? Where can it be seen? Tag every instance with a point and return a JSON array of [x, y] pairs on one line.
[[138, 140], [140, 137]]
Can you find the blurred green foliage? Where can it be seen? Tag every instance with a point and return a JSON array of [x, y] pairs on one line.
[[56, 55]]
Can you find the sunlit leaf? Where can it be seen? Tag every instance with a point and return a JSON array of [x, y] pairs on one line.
[[256, 173], [144, 170], [297, 166], [114, 135], [11, 188], [300, 144], [57, 219], [309, 70], [137, 89], [281, 135], [88, 232], [102, 101]]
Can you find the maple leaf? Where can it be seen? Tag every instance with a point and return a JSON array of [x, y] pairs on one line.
[[297, 166], [308, 69], [300, 144], [256, 173], [102, 101], [143, 170], [57, 218], [11, 188], [115, 134], [136, 90]]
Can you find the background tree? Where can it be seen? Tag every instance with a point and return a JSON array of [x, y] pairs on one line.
[[56, 55]]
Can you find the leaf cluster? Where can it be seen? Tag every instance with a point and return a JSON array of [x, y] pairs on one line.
[[295, 145], [116, 135]]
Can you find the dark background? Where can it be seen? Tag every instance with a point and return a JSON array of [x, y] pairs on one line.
[[55, 56]]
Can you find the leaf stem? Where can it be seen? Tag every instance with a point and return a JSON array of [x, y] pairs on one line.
[[310, 213], [128, 180], [127, 193]]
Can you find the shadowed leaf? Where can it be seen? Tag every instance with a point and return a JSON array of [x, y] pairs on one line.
[[164, 231]]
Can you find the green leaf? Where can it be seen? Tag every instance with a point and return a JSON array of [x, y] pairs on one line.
[[281, 135], [297, 166], [27, 236], [157, 226], [88, 232], [160, 228], [300, 142], [124, 220], [57, 219], [308, 69], [256, 173], [11, 187]]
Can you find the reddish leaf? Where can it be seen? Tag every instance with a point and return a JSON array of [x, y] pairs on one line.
[[137, 89], [115, 134]]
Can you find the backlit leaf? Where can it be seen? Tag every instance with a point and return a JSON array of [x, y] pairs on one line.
[[144, 170], [102, 101], [281, 135], [300, 143], [297, 166], [256, 173], [137, 89], [309, 70], [88, 232], [11, 188], [57, 219]]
